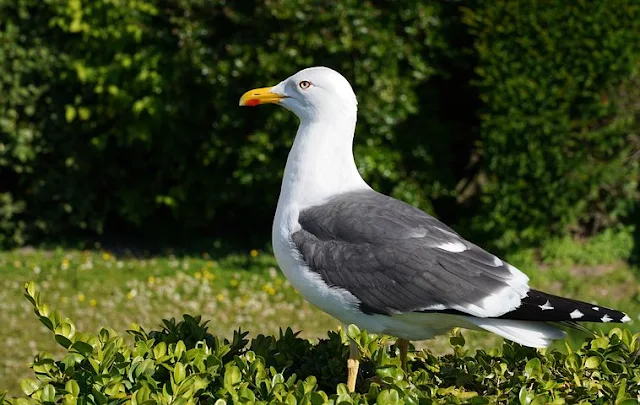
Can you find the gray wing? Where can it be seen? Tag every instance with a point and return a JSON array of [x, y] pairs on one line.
[[395, 258]]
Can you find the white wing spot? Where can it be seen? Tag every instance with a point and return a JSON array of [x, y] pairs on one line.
[[606, 319], [454, 247], [434, 307], [625, 319], [497, 262], [576, 314], [596, 309], [546, 306], [418, 233]]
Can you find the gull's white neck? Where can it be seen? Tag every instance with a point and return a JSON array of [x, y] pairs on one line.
[[320, 165]]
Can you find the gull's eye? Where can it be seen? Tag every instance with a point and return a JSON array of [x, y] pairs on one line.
[[304, 84]]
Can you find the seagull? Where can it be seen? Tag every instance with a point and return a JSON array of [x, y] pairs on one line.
[[379, 263]]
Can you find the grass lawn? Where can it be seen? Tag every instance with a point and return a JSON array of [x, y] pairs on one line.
[[96, 289]]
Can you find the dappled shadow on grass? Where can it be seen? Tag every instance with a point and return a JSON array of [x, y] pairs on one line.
[[226, 253], [125, 245]]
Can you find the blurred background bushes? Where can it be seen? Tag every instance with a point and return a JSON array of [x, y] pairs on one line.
[[513, 121]]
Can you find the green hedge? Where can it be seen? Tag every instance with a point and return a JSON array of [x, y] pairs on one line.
[[559, 120], [183, 364], [121, 116]]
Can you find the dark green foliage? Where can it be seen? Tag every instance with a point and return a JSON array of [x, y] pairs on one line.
[[121, 117], [559, 127], [184, 364], [138, 116]]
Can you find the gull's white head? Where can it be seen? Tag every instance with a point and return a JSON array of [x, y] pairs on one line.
[[312, 93]]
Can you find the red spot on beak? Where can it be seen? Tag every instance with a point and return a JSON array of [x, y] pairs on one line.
[[253, 102]]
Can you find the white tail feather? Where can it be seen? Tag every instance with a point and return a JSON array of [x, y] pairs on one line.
[[532, 334]]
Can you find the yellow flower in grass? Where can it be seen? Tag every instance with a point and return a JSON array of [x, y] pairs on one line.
[[198, 275], [234, 282], [268, 288], [81, 297], [254, 253], [151, 280], [220, 297], [93, 302], [107, 256], [65, 264]]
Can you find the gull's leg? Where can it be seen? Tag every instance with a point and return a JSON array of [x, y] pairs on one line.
[[353, 362], [403, 345]]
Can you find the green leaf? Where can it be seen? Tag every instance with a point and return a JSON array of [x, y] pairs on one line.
[[353, 332], [72, 388], [342, 389], [524, 397], [232, 376], [66, 329], [592, 362], [318, 398], [98, 395], [159, 350], [291, 399], [48, 393], [540, 400], [63, 341], [69, 399], [29, 386], [82, 347], [533, 368], [309, 384], [388, 397], [628, 402], [142, 394], [31, 289], [179, 373], [179, 350]]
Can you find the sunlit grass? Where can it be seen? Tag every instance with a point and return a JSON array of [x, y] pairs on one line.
[[96, 289]]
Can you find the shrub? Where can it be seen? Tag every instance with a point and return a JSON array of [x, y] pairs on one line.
[[183, 364], [512, 122], [557, 124], [133, 115]]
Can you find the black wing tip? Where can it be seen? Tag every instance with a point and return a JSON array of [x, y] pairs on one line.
[[541, 306]]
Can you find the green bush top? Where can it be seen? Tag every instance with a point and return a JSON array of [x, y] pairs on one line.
[[182, 363]]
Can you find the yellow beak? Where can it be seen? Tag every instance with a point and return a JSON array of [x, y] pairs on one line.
[[260, 96]]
